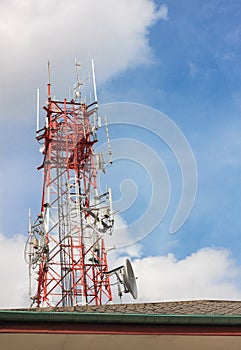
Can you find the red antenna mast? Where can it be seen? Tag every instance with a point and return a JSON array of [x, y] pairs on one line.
[[66, 242]]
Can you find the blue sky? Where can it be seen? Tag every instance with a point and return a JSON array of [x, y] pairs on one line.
[[195, 80], [181, 58]]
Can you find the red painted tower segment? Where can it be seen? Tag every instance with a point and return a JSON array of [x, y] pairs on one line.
[[66, 242]]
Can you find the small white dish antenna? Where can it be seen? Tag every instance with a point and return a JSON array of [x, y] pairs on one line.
[[126, 277], [129, 279]]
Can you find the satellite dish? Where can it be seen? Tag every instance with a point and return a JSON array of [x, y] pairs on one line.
[[129, 279]]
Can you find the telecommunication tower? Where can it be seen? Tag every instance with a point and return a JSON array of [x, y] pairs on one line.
[[66, 246]]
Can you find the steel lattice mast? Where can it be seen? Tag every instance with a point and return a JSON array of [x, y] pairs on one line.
[[66, 242]]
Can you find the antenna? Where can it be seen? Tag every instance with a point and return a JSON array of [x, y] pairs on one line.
[[37, 126], [77, 93], [66, 242], [126, 277], [66, 245], [49, 85], [94, 82], [111, 203], [48, 72], [108, 140], [129, 279]]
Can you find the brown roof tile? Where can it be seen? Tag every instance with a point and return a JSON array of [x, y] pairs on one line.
[[195, 307]]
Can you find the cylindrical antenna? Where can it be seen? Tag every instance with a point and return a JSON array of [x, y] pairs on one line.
[[108, 140], [95, 120], [49, 94], [94, 82], [37, 126], [111, 203], [99, 121]]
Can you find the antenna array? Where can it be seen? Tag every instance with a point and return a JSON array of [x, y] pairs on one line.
[[65, 246]]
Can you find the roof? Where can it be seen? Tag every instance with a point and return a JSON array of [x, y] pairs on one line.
[[194, 307], [198, 312], [215, 325]]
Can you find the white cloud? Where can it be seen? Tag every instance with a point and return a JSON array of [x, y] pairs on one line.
[[206, 274], [13, 272], [114, 32]]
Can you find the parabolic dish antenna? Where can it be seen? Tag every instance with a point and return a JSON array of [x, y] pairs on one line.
[[130, 279]]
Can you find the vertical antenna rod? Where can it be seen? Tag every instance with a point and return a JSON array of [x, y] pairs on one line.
[[49, 85], [37, 126], [108, 140], [94, 82]]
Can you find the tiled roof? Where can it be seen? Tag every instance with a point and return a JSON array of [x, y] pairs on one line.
[[195, 307]]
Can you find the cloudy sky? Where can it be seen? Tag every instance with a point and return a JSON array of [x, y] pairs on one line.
[[176, 68]]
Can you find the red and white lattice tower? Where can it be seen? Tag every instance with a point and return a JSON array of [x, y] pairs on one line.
[[66, 242]]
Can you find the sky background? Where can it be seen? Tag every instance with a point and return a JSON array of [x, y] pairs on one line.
[[181, 58]]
